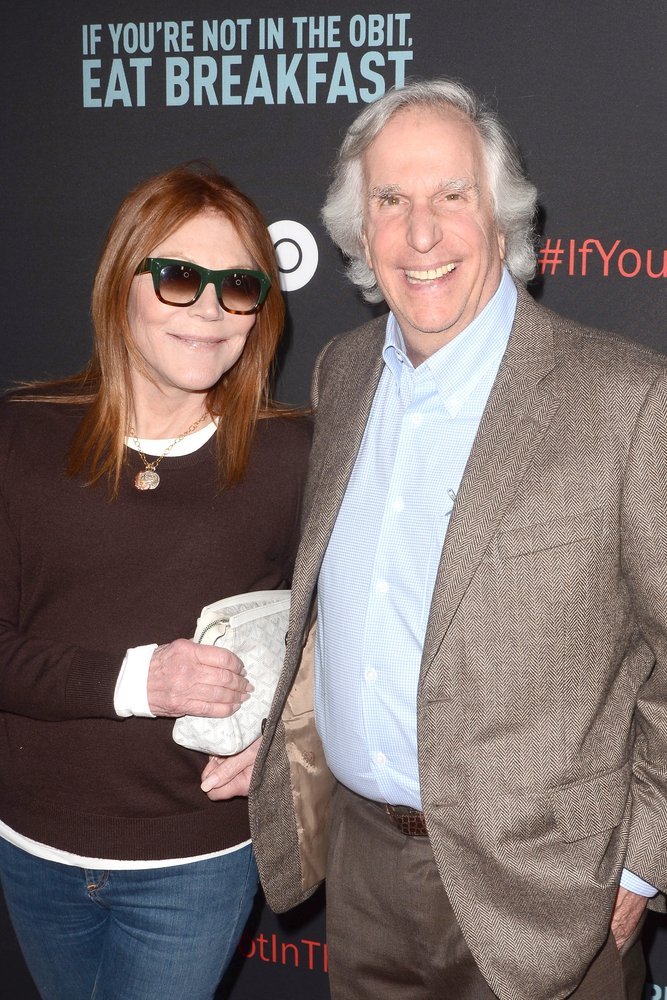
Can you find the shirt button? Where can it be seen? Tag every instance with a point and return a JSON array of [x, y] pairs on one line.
[[398, 505], [371, 674], [382, 587], [417, 419], [379, 758]]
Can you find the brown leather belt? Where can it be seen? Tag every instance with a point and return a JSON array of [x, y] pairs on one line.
[[409, 821]]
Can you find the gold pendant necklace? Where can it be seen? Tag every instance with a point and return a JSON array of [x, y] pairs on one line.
[[148, 478]]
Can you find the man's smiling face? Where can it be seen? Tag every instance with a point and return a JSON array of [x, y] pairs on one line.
[[429, 231]]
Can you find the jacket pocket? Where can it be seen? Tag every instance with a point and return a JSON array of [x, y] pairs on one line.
[[584, 808], [552, 534]]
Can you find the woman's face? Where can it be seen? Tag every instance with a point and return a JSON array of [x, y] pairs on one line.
[[187, 349]]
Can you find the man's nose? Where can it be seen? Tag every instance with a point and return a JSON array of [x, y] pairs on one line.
[[424, 228]]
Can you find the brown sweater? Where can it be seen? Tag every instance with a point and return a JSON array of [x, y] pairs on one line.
[[82, 579]]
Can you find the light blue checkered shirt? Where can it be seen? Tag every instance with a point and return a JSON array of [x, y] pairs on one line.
[[378, 574], [377, 578]]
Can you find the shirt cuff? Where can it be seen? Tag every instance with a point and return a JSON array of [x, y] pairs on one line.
[[131, 694], [636, 884]]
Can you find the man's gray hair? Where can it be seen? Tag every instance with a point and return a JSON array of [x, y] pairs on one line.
[[513, 197]]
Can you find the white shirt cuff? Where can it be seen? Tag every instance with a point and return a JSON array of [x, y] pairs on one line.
[[131, 694], [636, 884]]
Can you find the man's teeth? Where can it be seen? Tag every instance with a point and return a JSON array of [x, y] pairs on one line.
[[433, 272]]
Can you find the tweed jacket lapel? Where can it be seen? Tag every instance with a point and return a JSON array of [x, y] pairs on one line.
[[518, 412], [349, 397]]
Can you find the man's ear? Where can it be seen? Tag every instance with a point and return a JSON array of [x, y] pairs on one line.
[[501, 245]]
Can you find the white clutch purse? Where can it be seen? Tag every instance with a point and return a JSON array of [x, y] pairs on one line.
[[253, 626]]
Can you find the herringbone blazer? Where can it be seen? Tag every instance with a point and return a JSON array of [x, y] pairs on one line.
[[542, 701]]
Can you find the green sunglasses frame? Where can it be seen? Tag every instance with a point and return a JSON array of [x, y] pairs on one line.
[[154, 265]]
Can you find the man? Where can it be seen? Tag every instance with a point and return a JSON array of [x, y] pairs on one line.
[[485, 544]]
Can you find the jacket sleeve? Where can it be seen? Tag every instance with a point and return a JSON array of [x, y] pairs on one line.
[[644, 562]]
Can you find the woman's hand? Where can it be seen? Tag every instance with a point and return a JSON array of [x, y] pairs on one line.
[[185, 678], [226, 777]]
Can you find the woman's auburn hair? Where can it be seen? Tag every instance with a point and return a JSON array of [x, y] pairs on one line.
[[145, 218]]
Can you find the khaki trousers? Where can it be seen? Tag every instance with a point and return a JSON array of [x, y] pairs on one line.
[[392, 934]]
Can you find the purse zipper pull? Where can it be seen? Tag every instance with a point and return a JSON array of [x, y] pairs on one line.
[[215, 624]]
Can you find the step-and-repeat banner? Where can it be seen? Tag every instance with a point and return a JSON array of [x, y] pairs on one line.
[[98, 95]]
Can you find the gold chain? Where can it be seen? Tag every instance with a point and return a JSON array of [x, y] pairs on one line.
[[148, 479]]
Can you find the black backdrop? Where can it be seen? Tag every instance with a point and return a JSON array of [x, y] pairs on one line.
[[99, 94]]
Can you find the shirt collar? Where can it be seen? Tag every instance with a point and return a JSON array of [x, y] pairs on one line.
[[458, 367]]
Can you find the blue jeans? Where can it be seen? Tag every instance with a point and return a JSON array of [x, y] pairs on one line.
[[151, 934]]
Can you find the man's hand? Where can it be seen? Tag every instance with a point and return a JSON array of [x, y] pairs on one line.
[[628, 911], [225, 777], [185, 678]]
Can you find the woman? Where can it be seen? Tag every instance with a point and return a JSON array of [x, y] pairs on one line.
[[158, 480]]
